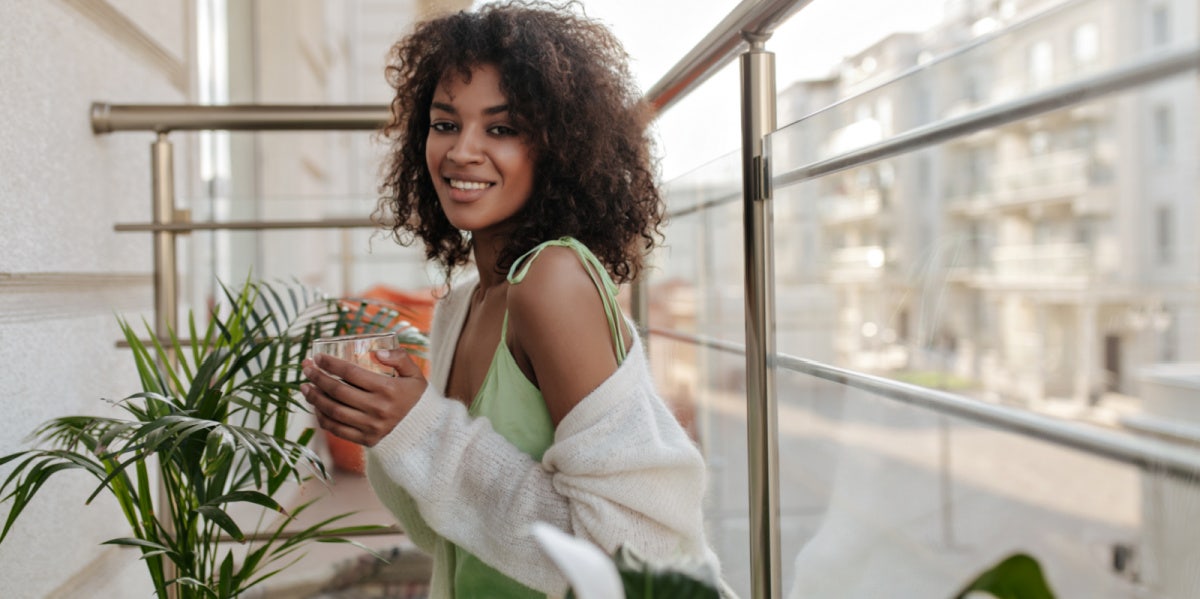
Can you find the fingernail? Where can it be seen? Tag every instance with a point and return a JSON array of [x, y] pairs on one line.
[[383, 354], [305, 388], [308, 372]]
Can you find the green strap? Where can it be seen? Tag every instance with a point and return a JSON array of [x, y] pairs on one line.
[[604, 284]]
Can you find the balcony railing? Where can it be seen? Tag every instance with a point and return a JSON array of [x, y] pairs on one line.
[[1042, 264], [857, 264], [848, 209], [745, 33]]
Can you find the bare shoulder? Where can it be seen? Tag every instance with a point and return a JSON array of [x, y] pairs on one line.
[[554, 280], [559, 331]]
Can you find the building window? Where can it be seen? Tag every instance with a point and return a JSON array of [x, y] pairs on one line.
[[1041, 64], [1039, 143], [924, 175], [1164, 241], [1085, 44], [1160, 26], [1085, 231], [1168, 350], [976, 172], [1163, 129], [970, 89]]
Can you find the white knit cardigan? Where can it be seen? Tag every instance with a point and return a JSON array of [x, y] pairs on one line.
[[621, 471]]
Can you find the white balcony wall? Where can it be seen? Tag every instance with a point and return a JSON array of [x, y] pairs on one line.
[[64, 272]]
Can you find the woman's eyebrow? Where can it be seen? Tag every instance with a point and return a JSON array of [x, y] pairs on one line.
[[491, 110]]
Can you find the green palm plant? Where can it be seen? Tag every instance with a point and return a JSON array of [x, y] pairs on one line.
[[213, 424]]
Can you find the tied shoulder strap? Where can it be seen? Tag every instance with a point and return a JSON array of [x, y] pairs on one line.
[[604, 284]]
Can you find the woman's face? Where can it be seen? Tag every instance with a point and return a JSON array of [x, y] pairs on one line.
[[482, 167]]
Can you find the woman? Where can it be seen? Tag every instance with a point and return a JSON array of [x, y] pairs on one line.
[[520, 152]]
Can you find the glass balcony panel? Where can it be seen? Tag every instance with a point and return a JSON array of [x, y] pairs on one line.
[[884, 499], [696, 288], [1042, 264], [972, 59], [1051, 287]]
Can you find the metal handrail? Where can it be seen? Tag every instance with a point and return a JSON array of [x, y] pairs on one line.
[[1062, 96], [250, 225], [1147, 454], [750, 19], [161, 118], [753, 18]]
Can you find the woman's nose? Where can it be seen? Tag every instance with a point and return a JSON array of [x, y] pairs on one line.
[[467, 148]]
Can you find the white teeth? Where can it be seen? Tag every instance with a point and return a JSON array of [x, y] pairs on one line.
[[471, 185]]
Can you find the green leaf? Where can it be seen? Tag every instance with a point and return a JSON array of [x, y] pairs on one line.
[[210, 426], [254, 497], [189, 581], [131, 542], [225, 582], [218, 450], [218, 516], [643, 580], [1018, 576]]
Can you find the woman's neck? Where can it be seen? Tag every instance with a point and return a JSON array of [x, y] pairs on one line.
[[486, 250]]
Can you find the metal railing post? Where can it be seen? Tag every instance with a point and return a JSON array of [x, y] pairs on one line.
[[166, 286], [639, 306], [758, 120]]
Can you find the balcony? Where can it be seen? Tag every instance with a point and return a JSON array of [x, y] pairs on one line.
[[1044, 265], [844, 210], [1071, 178], [857, 264], [877, 476]]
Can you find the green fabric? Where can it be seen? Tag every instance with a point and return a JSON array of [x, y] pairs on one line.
[[517, 410]]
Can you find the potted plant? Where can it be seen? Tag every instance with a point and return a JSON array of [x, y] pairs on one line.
[[213, 424], [592, 574]]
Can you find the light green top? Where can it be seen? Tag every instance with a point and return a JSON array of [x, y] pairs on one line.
[[517, 410]]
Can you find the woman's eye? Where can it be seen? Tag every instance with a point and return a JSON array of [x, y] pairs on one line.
[[503, 131], [442, 126]]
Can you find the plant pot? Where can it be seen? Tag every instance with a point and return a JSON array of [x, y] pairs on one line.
[[348, 456]]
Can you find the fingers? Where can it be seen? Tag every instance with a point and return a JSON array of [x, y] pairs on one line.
[[352, 373], [348, 422], [366, 406], [340, 429], [400, 361]]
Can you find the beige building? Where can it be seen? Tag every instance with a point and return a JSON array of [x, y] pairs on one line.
[[1044, 259]]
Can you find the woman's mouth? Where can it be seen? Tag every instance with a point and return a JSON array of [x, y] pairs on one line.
[[468, 185]]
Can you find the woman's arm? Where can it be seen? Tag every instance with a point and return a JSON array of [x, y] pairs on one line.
[[558, 329], [621, 471]]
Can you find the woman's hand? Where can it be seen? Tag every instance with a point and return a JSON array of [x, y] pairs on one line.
[[367, 405]]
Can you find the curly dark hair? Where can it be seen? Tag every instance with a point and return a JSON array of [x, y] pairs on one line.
[[568, 85]]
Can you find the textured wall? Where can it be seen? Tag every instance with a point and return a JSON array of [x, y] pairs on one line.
[[64, 272]]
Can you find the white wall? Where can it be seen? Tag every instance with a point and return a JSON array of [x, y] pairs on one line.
[[64, 272]]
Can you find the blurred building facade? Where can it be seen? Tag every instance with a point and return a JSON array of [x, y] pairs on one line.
[[1018, 258]]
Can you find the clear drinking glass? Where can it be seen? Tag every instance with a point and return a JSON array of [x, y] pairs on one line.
[[357, 349]]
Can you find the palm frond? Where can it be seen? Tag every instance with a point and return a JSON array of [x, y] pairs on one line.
[[212, 423]]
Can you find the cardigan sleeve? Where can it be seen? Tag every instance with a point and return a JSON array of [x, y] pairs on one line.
[[621, 471], [447, 312]]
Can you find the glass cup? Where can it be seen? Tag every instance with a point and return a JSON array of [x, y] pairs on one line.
[[357, 349]]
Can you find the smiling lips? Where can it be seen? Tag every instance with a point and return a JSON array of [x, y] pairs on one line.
[[469, 185], [462, 190]]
